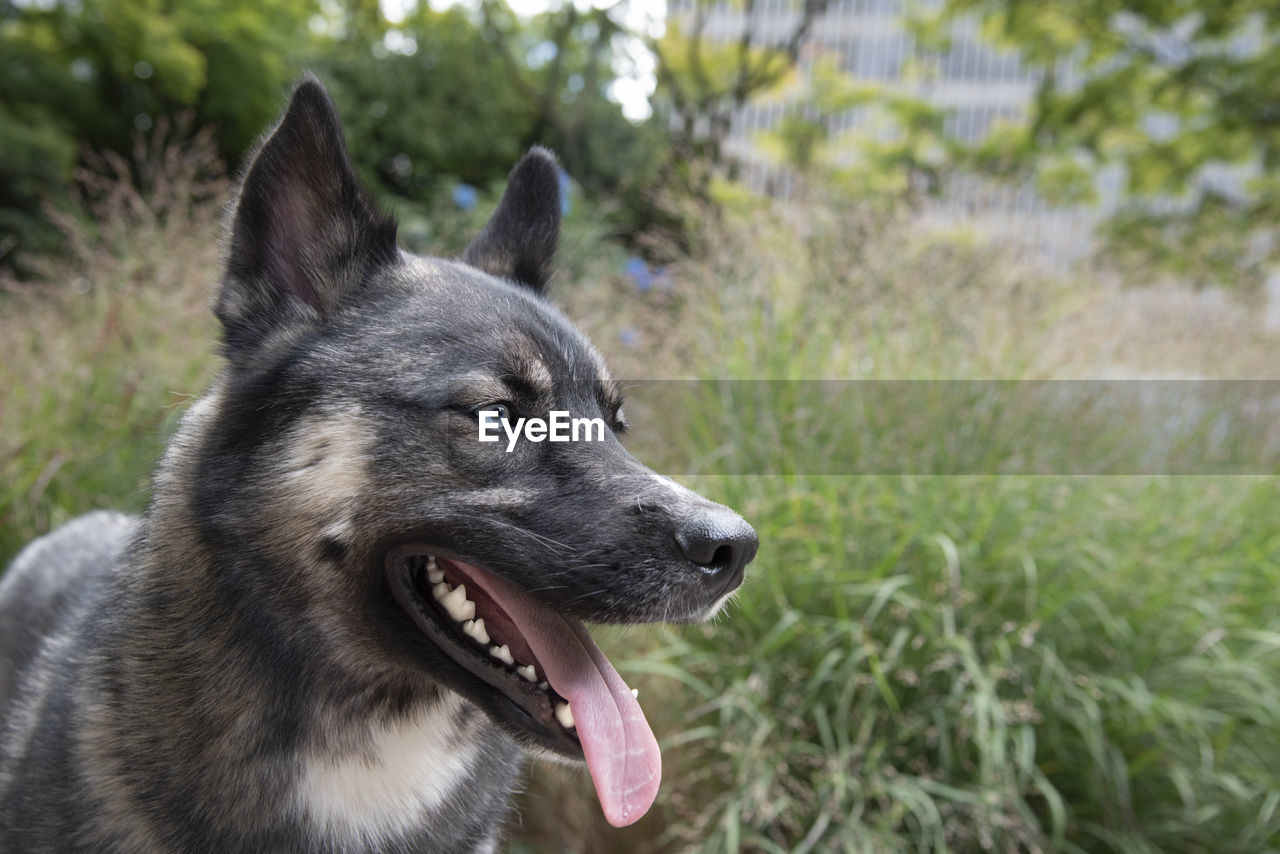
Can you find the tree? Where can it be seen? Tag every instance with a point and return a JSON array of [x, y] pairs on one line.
[[900, 156], [703, 82], [445, 96], [424, 100], [1167, 93], [563, 62], [94, 72]]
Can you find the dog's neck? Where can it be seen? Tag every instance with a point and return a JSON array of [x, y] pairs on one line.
[[375, 755]]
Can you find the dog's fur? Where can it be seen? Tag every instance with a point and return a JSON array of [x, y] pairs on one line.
[[230, 672]]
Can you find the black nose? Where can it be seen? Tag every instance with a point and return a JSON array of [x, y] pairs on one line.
[[722, 544]]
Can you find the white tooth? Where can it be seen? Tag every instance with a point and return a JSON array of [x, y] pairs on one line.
[[502, 653], [475, 629], [434, 573], [635, 692], [564, 715], [543, 685], [457, 604], [440, 591], [528, 672]]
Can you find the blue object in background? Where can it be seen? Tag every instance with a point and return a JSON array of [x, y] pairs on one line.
[[637, 269], [629, 336], [465, 196]]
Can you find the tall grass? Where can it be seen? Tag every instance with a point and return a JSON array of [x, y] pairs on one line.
[[976, 663], [946, 663], [916, 663], [101, 352]]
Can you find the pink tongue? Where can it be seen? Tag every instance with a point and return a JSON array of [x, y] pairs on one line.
[[622, 753]]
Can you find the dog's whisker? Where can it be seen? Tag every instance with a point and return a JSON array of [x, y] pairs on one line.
[[551, 545]]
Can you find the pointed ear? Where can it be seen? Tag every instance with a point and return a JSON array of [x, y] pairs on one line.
[[305, 232], [519, 241]]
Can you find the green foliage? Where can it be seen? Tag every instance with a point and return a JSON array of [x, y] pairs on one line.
[[112, 341], [443, 97], [1165, 90], [814, 101], [1168, 97], [448, 96], [953, 663], [92, 73], [703, 71], [433, 102], [903, 154], [703, 81], [962, 664], [567, 56]]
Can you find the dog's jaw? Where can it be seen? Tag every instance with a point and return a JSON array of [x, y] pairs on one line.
[[546, 665], [525, 709]]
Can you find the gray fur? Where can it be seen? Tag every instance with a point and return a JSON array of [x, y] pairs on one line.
[[229, 672]]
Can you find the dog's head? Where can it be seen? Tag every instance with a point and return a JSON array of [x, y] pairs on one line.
[[346, 444]]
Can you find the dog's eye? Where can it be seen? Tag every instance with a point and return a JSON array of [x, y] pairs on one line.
[[502, 409]]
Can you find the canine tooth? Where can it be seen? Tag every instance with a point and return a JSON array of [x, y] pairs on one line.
[[440, 591], [528, 672], [434, 573], [543, 685], [475, 629], [458, 605], [635, 692], [564, 715], [502, 653]]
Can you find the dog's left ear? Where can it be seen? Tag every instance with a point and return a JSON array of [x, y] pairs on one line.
[[519, 241]]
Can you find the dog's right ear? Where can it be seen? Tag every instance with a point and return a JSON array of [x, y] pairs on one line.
[[305, 232]]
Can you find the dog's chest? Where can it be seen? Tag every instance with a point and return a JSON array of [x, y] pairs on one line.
[[423, 776]]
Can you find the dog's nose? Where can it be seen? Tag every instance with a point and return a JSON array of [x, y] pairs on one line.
[[722, 544]]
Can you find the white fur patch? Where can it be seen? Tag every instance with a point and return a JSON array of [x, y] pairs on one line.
[[325, 468], [677, 489], [489, 846], [383, 790], [717, 605]]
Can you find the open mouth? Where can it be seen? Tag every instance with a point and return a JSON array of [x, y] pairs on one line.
[[560, 688]]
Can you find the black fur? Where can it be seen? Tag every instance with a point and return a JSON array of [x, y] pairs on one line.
[[519, 243], [305, 230], [169, 683]]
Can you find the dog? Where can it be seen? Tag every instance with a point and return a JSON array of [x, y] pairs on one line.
[[344, 620]]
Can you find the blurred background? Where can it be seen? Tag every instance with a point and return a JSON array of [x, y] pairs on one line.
[[963, 652]]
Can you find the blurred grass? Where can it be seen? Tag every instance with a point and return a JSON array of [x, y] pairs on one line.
[[947, 663], [101, 354], [917, 663]]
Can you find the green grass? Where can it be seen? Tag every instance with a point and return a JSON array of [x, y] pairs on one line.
[[101, 356], [988, 663], [953, 663], [916, 663]]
